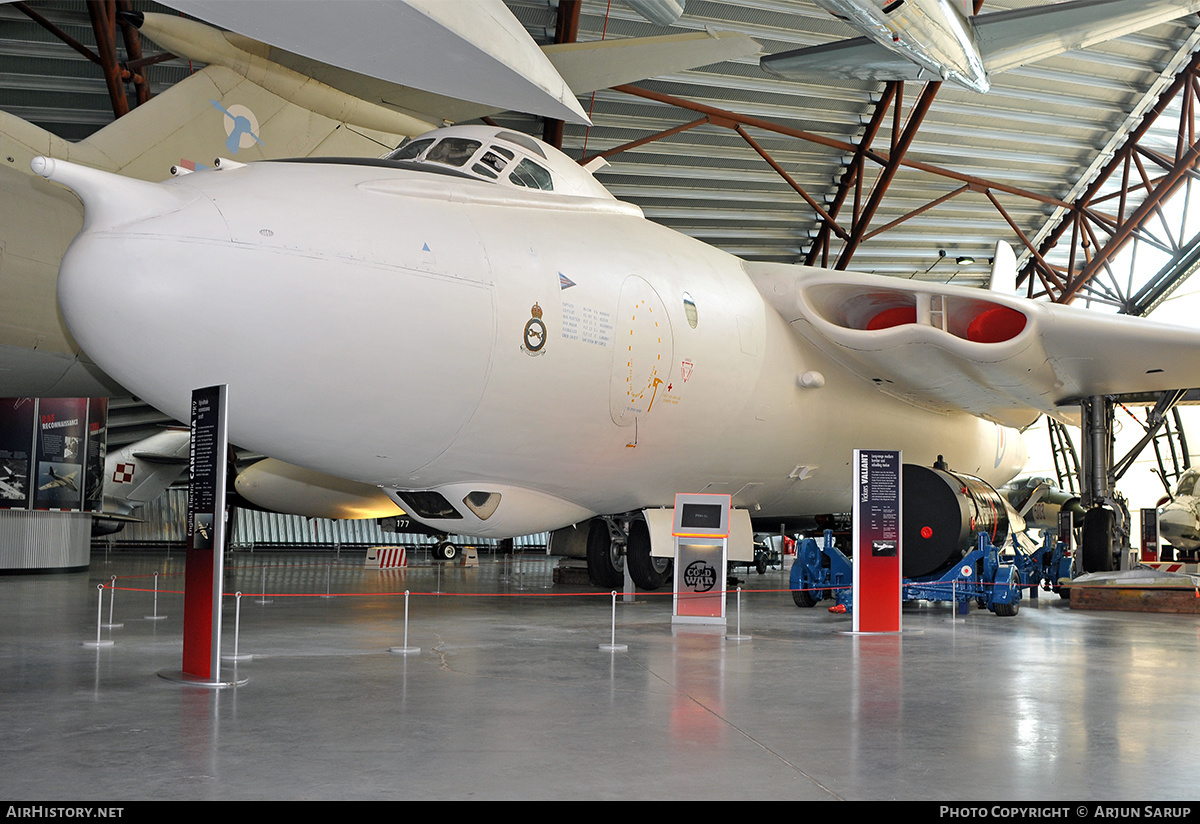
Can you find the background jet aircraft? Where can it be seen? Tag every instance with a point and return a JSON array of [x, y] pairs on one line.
[[139, 473], [937, 39], [1179, 520]]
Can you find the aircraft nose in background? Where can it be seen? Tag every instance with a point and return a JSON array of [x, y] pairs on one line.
[[1179, 526]]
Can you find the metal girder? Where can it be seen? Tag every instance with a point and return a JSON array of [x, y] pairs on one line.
[[1118, 208], [103, 16], [889, 161]]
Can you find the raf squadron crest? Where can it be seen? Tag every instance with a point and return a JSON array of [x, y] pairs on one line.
[[535, 332]]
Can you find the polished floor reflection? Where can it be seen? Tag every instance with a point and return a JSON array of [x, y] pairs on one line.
[[510, 697]]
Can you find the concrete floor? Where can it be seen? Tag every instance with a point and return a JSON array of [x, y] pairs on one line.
[[510, 698]]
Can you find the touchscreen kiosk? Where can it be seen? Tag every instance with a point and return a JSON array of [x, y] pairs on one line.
[[701, 533]]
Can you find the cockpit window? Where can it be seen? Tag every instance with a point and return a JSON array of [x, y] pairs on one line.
[[494, 161], [410, 150], [1187, 484], [532, 175], [453, 151]]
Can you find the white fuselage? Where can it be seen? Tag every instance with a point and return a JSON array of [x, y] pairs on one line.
[[426, 332]]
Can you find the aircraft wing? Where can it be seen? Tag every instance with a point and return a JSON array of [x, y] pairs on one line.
[[951, 348], [494, 59], [857, 59], [585, 67], [1008, 39]]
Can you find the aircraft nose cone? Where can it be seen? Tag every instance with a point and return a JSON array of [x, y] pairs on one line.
[[299, 305], [1179, 526]]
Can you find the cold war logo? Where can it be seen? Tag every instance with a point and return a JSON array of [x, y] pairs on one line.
[[700, 576]]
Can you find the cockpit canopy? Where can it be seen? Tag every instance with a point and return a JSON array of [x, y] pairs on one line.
[[1187, 484], [501, 156]]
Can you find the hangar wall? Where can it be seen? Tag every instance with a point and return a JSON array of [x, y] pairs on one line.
[[164, 519]]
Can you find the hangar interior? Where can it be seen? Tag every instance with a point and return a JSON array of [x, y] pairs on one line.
[[1083, 162]]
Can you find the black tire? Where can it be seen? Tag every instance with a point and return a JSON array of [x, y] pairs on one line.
[[648, 573], [805, 598], [760, 564], [1008, 609], [1097, 540], [445, 551], [604, 568]]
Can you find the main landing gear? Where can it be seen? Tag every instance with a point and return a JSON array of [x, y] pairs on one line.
[[613, 544]]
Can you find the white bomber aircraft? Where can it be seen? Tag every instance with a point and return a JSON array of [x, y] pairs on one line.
[[564, 359], [939, 39]]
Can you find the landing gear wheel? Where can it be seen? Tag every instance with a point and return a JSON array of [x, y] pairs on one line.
[[605, 567], [1098, 540], [445, 551], [760, 564], [648, 572]]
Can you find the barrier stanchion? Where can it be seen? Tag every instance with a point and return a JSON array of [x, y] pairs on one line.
[[954, 619], [737, 636], [112, 599], [97, 644], [155, 616], [612, 645], [237, 631], [328, 580], [263, 599], [406, 649]]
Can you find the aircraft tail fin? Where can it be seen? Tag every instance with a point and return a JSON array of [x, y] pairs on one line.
[[142, 471], [213, 113], [1003, 278]]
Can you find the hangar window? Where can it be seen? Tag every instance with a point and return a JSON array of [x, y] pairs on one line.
[[429, 505], [483, 504], [532, 175]]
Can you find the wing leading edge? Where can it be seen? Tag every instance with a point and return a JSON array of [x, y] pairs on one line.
[[954, 348], [1006, 40]]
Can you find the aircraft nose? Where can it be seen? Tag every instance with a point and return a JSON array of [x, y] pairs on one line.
[[303, 320], [1177, 523]]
